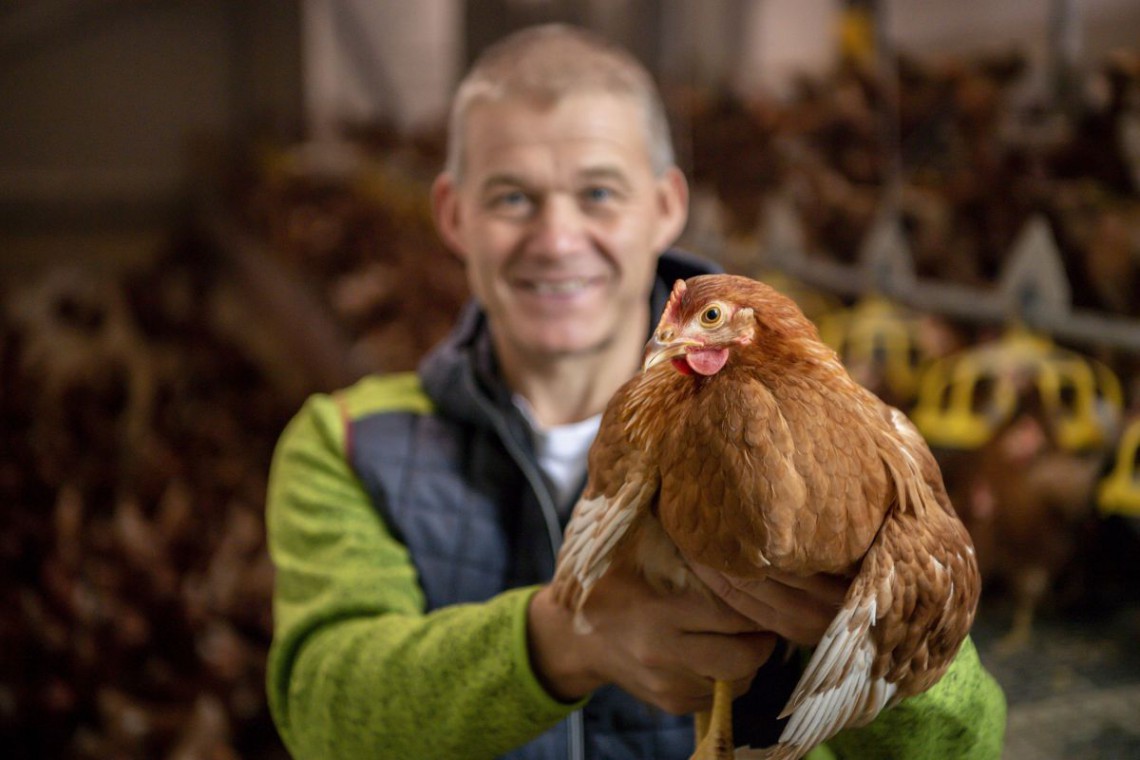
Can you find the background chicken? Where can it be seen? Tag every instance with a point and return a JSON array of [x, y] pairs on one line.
[[753, 450], [1029, 505]]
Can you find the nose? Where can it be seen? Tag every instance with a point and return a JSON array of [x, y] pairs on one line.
[[559, 227]]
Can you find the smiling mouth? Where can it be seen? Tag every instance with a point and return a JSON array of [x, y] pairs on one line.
[[558, 287]]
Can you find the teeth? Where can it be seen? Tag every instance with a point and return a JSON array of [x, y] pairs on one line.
[[559, 288]]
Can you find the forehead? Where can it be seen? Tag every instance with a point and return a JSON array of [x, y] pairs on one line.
[[574, 132]]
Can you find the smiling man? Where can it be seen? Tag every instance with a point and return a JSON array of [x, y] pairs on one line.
[[414, 519], [560, 215]]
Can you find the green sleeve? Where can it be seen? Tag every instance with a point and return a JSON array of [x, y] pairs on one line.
[[357, 669], [961, 716]]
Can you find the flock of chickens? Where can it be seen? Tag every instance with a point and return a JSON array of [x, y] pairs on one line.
[[965, 169], [135, 432], [138, 413]]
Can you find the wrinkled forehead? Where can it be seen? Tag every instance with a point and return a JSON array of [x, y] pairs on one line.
[[636, 115], [580, 129]]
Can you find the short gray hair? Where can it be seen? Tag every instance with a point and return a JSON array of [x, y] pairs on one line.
[[543, 64]]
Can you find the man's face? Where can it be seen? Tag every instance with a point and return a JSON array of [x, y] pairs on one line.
[[560, 219]]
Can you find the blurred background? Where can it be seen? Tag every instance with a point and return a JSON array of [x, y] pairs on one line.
[[210, 209]]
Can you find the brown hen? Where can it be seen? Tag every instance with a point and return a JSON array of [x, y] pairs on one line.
[[1028, 504], [745, 445]]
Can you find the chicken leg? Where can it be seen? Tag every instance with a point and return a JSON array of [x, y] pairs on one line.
[[1030, 588], [714, 727]]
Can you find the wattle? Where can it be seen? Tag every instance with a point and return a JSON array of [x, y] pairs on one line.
[[707, 361], [681, 365]]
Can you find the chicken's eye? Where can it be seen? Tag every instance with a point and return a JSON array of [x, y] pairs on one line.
[[711, 316]]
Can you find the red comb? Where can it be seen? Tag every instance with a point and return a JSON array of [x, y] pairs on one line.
[[673, 306]]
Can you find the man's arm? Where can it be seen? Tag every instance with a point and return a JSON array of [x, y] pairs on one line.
[[356, 668]]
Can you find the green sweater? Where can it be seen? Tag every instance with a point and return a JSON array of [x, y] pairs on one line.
[[358, 669]]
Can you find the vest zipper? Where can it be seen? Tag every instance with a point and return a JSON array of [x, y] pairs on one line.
[[576, 735]]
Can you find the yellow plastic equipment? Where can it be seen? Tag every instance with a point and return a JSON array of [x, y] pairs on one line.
[[965, 397], [857, 33], [1119, 491], [814, 303], [875, 332]]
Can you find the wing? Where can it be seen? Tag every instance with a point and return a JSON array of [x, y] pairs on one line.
[[623, 483], [906, 613]]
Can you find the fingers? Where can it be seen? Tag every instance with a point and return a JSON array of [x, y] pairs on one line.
[[666, 649], [752, 599], [691, 610], [695, 632], [701, 699], [681, 688], [698, 612], [798, 608], [831, 589], [725, 658]]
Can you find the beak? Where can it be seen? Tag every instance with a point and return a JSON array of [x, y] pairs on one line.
[[657, 351]]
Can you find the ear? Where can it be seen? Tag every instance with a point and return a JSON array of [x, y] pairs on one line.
[[744, 324], [673, 200], [446, 213]]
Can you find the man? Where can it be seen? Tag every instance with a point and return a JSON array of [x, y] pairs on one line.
[[414, 518]]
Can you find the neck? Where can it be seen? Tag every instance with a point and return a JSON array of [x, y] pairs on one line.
[[571, 388], [561, 396]]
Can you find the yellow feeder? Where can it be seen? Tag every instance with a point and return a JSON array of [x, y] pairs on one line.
[[813, 303], [1119, 492], [965, 397], [876, 333], [857, 34]]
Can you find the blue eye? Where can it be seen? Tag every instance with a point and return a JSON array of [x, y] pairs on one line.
[[599, 194], [512, 203]]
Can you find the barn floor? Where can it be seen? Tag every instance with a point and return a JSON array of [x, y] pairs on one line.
[[1074, 690]]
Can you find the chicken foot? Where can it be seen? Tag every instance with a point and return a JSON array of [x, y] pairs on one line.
[[714, 727], [1031, 585]]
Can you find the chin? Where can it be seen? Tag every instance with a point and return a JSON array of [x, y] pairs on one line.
[[559, 347]]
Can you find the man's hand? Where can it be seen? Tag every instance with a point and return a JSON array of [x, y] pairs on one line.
[[665, 649], [797, 608]]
